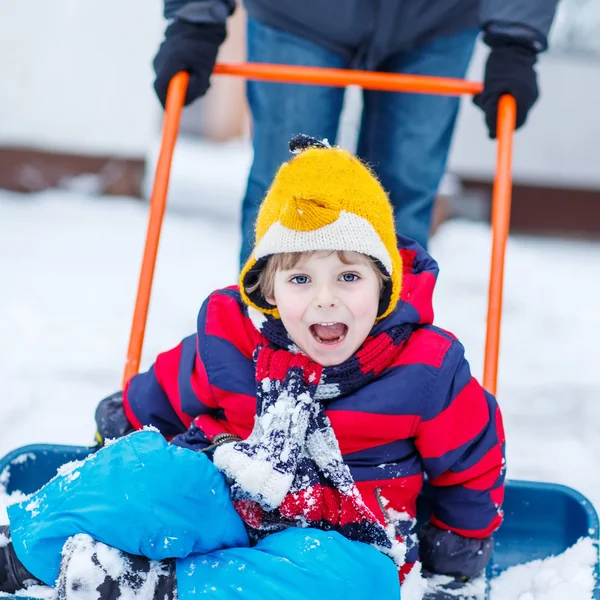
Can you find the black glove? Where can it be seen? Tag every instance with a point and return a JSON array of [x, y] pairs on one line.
[[13, 575], [190, 47], [447, 553], [111, 422], [195, 439], [509, 70]]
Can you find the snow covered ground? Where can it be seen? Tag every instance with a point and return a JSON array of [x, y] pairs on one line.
[[68, 277]]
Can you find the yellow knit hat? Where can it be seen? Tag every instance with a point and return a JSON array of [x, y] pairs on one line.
[[324, 199]]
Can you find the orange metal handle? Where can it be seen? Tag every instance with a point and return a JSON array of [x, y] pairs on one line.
[[501, 202], [368, 80], [342, 78], [158, 201]]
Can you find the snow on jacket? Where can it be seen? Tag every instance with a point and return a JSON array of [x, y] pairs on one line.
[[144, 496], [366, 32], [425, 414]]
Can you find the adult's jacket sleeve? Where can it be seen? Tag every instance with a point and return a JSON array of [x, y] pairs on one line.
[[199, 11], [525, 20]]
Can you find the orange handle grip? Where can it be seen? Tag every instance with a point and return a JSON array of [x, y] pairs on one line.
[[158, 201], [332, 77], [501, 202]]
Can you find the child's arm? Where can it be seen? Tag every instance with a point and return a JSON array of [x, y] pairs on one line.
[[158, 396], [461, 442], [173, 396], [154, 398]]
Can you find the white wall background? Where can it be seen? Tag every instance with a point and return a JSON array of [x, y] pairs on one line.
[[75, 75], [559, 144]]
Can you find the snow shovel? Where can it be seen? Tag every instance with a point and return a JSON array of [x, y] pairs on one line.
[[541, 519]]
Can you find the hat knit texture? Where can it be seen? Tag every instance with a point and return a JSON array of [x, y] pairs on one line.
[[325, 199]]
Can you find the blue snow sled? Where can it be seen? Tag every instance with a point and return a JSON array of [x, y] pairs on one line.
[[541, 519]]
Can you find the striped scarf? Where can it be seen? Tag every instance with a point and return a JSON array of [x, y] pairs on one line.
[[290, 471]]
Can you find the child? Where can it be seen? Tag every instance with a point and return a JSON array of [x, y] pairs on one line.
[[320, 387]]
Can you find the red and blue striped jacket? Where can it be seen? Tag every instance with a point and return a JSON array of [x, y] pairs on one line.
[[425, 414]]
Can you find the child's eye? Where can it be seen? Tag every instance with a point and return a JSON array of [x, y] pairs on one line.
[[299, 279], [350, 277]]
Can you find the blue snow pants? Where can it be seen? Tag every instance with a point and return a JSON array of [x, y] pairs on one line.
[[146, 497]]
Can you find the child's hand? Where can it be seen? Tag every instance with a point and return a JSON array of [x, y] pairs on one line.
[[194, 439], [111, 421]]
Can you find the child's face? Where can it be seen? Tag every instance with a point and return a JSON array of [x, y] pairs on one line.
[[328, 307]]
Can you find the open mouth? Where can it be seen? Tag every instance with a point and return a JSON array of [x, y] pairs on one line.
[[329, 333]]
